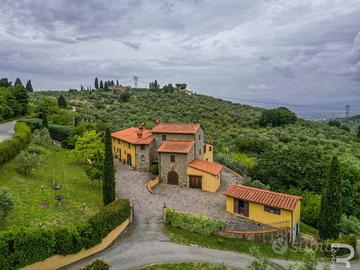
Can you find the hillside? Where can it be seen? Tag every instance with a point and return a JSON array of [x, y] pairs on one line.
[[295, 156]]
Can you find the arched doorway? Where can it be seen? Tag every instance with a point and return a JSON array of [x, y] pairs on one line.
[[173, 178], [128, 160]]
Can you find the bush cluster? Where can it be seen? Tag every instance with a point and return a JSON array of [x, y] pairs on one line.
[[343, 239], [23, 246], [57, 132], [97, 265], [11, 147], [191, 222]]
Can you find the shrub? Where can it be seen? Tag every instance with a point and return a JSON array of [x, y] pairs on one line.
[[251, 144], [23, 246], [67, 241], [256, 184], [11, 147], [26, 161], [230, 163], [154, 169], [41, 137], [310, 209], [350, 225], [192, 223], [344, 239], [6, 203], [97, 265], [334, 123]]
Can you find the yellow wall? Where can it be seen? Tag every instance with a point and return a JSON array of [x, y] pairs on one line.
[[210, 182], [257, 213], [124, 148], [209, 155], [59, 261]]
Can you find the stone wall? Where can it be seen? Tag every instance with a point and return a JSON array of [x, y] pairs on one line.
[[142, 158]]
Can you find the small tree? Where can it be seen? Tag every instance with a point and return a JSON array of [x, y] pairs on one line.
[[26, 161], [41, 137], [62, 102], [101, 84], [308, 261], [331, 203], [87, 146], [109, 171], [6, 203], [28, 86]]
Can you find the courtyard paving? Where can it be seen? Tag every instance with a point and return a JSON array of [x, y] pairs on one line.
[[148, 207]]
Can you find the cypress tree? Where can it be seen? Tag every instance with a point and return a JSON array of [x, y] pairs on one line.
[[109, 171], [96, 84], [18, 82], [117, 82], [358, 133], [62, 102], [28, 86], [106, 86], [101, 84], [331, 203], [44, 122]]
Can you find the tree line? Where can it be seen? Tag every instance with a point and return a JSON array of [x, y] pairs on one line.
[[14, 99]]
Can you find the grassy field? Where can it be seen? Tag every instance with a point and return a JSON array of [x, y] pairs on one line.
[[307, 229], [34, 206], [223, 243], [185, 266]]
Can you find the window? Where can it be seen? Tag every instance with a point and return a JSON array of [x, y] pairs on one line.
[[142, 158], [204, 148], [163, 137], [142, 146], [114, 149], [199, 136], [129, 145], [272, 210], [199, 151], [210, 148], [172, 158]]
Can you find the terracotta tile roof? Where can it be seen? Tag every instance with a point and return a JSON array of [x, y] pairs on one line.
[[206, 166], [130, 135], [176, 128], [176, 147], [262, 196]]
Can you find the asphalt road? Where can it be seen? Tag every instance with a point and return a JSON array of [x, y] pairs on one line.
[[7, 130], [143, 244]]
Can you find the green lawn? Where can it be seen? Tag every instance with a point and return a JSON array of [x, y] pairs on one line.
[[185, 266], [34, 207], [218, 242], [307, 229]]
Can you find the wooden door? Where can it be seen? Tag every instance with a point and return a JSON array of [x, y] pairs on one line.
[[241, 207], [128, 161], [195, 181], [173, 178]]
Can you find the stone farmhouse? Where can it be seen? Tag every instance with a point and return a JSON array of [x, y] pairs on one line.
[[179, 150]]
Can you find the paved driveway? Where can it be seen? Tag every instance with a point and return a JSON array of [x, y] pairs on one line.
[[148, 207], [7, 130]]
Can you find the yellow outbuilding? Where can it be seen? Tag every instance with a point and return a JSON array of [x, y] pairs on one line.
[[204, 175], [264, 206]]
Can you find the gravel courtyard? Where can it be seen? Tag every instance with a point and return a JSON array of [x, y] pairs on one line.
[[148, 207]]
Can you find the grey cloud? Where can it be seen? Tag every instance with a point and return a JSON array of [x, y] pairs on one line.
[[303, 50]]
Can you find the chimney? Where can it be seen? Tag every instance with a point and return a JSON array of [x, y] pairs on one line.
[[156, 122], [139, 133], [142, 126]]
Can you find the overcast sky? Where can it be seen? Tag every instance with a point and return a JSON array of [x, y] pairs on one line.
[[273, 51]]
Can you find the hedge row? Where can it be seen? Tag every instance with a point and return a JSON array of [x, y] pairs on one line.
[[57, 132], [11, 147], [23, 246], [191, 222]]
